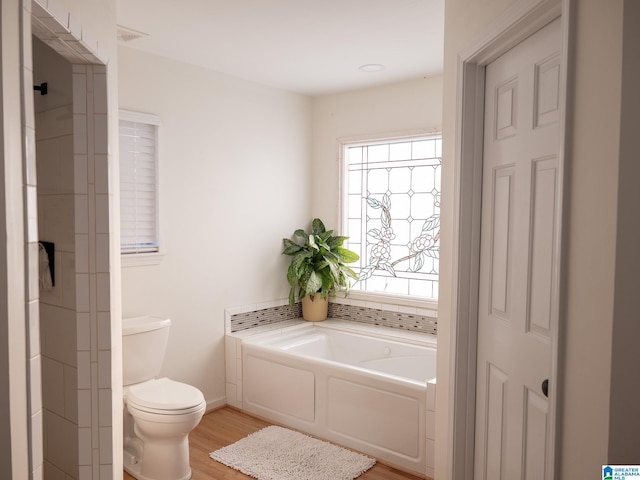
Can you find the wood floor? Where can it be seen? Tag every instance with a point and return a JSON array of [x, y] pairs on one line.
[[225, 426]]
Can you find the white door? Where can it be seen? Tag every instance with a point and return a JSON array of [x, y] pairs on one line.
[[519, 208]]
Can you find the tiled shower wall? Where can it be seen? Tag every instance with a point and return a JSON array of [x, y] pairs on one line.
[[76, 334], [56, 223]]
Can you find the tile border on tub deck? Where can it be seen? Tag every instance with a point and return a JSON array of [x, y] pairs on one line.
[[415, 320]]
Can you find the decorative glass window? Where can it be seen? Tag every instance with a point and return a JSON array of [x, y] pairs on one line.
[[138, 183], [391, 213]]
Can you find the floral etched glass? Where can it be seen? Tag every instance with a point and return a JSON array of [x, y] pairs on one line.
[[392, 214]]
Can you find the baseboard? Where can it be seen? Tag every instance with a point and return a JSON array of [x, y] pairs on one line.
[[216, 404]]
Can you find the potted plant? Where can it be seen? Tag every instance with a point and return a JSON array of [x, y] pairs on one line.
[[318, 267]]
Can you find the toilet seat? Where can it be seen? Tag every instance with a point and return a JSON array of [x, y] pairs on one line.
[[164, 396]]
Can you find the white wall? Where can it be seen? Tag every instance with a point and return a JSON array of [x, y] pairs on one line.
[[405, 106], [234, 180]]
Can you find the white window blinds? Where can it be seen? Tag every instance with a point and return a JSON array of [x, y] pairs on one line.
[[138, 183]]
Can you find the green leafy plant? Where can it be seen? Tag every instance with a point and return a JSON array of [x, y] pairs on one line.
[[318, 262]]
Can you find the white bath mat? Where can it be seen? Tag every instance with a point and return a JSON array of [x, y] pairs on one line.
[[276, 453]]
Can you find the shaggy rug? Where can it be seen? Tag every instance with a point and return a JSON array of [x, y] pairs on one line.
[[276, 453]]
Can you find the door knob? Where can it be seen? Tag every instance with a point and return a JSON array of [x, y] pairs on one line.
[[545, 387]]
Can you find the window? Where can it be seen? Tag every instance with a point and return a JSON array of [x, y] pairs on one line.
[[139, 232], [391, 213]]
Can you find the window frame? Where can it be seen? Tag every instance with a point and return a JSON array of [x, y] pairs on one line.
[[375, 298], [145, 258]]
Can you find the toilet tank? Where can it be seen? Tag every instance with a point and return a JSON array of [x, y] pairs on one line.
[[144, 341]]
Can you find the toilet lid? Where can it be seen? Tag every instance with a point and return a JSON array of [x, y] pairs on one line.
[[164, 394]]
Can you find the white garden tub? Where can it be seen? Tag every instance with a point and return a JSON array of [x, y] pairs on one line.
[[362, 387]]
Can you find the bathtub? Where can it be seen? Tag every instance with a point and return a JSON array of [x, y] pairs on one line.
[[359, 386]]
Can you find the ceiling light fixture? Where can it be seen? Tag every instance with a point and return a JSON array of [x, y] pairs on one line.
[[371, 67]]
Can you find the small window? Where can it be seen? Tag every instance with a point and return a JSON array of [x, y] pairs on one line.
[[391, 214], [139, 233]]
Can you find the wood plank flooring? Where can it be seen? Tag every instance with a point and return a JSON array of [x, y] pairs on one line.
[[225, 426]]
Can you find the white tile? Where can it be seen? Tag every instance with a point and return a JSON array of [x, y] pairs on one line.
[[82, 253], [101, 134], [68, 280], [84, 444], [85, 472], [83, 331], [82, 292], [102, 173], [100, 93], [80, 174], [104, 407], [104, 292], [106, 451], [408, 310], [102, 253], [53, 385], [79, 134], [84, 371], [66, 175], [106, 472], [34, 328], [104, 330], [61, 448], [35, 396], [102, 213], [30, 154], [104, 369], [71, 393], [81, 205], [78, 68], [34, 271], [39, 8], [84, 408], [37, 438], [248, 308], [51, 472], [59, 334], [374, 305], [79, 93], [426, 312], [38, 473]]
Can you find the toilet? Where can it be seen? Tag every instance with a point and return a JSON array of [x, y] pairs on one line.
[[158, 413]]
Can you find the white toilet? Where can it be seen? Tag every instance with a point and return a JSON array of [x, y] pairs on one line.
[[159, 413]]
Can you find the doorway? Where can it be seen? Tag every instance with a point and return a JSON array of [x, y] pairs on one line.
[[512, 28]]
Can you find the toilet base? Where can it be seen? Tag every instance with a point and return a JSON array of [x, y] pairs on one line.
[[135, 472], [156, 447], [159, 460]]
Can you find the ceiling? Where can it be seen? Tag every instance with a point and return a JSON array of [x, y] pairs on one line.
[[312, 47]]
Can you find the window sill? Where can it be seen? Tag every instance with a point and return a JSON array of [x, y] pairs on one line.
[[141, 259], [381, 300]]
